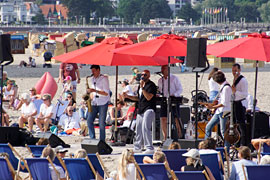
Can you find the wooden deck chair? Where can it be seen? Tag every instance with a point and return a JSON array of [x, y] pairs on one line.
[[190, 175], [259, 152], [175, 158], [153, 171], [255, 172], [35, 150], [38, 168], [98, 165], [6, 148], [228, 162], [7, 171], [79, 168], [211, 161]]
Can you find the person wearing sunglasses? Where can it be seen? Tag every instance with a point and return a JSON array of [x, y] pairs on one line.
[[70, 120], [71, 100], [146, 113]]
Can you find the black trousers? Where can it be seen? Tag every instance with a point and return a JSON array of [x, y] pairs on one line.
[[240, 118]]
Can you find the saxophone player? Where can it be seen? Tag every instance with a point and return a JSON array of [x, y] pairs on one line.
[[100, 91]]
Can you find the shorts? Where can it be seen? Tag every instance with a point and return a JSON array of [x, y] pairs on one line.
[[175, 111], [74, 84]]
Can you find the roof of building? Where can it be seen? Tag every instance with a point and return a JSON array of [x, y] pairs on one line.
[[46, 8]]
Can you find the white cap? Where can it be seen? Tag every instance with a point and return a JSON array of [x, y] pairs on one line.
[[60, 149], [193, 153]]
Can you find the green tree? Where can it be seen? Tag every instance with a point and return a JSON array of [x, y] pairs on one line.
[[129, 10], [265, 11], [246, 10], [187, 12], [39, 18]]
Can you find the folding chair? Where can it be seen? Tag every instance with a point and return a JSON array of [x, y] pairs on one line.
[[175, 158], [5, 148], [98, 164], [35, 150], [211, 161], [38, 168], [139, 157], [7, 171], [79, 168], [222, 152], [255, 172], [266, 148], [153, 171], [189, 175]]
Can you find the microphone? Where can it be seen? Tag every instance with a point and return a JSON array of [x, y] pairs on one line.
[[60, 102], [158, 72]]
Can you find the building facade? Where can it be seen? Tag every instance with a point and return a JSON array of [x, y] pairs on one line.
[[12, 11]]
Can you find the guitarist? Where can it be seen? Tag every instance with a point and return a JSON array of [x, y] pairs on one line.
[[223, 105], [240, 89]]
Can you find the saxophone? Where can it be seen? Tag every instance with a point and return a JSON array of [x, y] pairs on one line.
[[86, 97]]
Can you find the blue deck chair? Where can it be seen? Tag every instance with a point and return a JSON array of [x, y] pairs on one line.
[[12, 158], [35, 150], [6, 171], [139, 157], [38, 168], [153, 171], [190, 175], [266, 148], [98, 164], [211, 161], [79, 169], [175, 158], [222, 152], [255, 172]]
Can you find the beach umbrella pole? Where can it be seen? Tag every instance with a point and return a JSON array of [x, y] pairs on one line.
[[254, 101], [169, 113], [115, 103]]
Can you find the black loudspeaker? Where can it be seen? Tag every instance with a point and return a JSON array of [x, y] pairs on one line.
[[10, 135], [196, 52], [94, 146], [5, 48], [53, 139], [189, 143]]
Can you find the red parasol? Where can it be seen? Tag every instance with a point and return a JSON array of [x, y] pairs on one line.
[[255, 47]]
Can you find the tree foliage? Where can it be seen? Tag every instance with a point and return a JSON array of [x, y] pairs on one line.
[[246, 10], [187, 13], [265, 11], [39, 18]]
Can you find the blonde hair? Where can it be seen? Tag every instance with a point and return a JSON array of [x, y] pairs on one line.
[[159, 157], [126, 158], [190, 161], [80, 153], [48, 151], [175, 145]]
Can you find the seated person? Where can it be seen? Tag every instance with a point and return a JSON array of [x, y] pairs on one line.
[[208, 146], [48, 152], [158, 157], [83, 110], [33, 96], [126, 167], [5, 117], [9, 93], [80, 153], [174, 145], [31, 63], [46, 113], [71, 100], [128, 120], [60, 151], [70, 121], [194, 163], [28, 112], [120, 118], [244, 155], [126, 89], [265, 160]]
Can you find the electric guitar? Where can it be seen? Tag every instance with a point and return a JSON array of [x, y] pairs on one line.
[[231, 134], [215, 102]]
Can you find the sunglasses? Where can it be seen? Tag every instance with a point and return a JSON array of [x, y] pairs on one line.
[[70, 111], [144, 75], [69, 96]]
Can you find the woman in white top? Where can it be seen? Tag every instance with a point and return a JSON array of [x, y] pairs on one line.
[[126, 168], [126, 89], [46, 112], [9, 93], [213, 86], [28, 112]]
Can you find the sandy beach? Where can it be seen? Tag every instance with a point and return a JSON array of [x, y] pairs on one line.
[[27, 77]]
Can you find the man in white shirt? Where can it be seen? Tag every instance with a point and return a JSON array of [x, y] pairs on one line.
[[175, 90], [70, 120], [46, 113], [100, 91], [224, 105], [240, 90]]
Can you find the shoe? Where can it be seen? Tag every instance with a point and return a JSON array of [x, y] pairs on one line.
[[137, 151], [148, 151]]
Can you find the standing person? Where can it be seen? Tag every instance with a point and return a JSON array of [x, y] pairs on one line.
[[244, 155], [70, 69], [100, 90], [146, 113], [213, 86], [223, 105], [175, 90], [240, 90]]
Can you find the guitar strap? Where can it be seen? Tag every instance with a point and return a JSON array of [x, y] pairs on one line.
[[217, 96], [237, 80]]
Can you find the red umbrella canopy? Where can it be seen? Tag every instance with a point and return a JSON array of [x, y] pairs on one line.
[[164, 45], [255, 46], [102, 54]]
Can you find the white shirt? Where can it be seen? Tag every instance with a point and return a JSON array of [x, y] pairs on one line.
[[101, 83], [28, 109], [128, 90], [131, 172], [248, 103], [46, 111], [241, 89], [213, 85], [53, 173], [127, 124], [175, 86], [70, 122], [7, 93], [224, 98]]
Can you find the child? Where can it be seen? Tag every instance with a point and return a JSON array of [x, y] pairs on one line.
[[68, 87], [126, 168]]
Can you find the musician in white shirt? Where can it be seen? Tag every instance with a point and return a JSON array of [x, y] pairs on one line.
[[213, 85], [175, 90], [240, 89], [100, 91], [224, 105]]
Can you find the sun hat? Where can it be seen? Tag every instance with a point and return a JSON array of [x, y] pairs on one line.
[[193, 153], [68, 78], [60, 149]]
